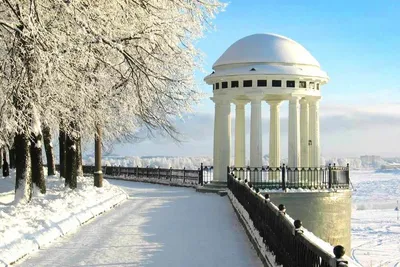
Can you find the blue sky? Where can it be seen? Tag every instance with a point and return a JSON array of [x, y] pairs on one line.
[[356, 42]]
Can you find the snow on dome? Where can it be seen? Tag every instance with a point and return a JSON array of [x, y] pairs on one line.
[[266, 48]]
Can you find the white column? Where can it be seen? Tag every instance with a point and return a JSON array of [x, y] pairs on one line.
[[224, 140], [304, 133], [240, 134], [315, 153], [255, 133], [217, 122], [274, 133], [294, 132]]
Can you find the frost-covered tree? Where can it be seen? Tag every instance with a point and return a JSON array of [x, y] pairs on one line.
[[145, 61], [24, 78], [80, 65]]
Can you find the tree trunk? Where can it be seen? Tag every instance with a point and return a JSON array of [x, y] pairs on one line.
[[12, 157], [23, 177], [5, 167], [62, 146], [1, 158], [79, 169], [48, 146], [71, 159], [98, 174], [37, 162]]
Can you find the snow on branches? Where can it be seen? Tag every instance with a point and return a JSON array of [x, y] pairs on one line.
[[123, 64]]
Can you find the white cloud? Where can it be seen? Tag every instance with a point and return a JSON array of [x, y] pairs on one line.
[[347, 129]]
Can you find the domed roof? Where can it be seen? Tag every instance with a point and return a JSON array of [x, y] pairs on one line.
[[266, 48]]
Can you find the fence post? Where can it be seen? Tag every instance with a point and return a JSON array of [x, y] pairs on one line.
[[170, 173], [283, 177], [158, 173], [184, 174], [330, 176], [137, 171], [201, 174], [119, 170], [348, 174], [339, 252]]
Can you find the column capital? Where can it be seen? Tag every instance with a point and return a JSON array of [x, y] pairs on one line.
[[294, 98], [304, 101], [313, 99], [256, 98], [240, 102], [221, 101], [274, 102]]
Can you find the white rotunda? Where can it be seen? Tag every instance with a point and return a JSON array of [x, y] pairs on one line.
[[271, 68]]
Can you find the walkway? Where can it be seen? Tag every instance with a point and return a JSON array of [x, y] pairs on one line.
[[157, 226]]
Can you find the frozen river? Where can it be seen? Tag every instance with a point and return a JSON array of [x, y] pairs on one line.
[[375, 227]]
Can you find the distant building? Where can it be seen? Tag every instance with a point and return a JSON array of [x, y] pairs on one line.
[[371, 161]]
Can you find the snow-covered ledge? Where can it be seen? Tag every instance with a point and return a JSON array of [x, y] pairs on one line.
[[174, 182], [265, 255], [26, 228]]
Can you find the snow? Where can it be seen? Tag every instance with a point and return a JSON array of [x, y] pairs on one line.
[[173, 182], [38, 144], [27, 227], [375, 228], [300, 190], [24, 228], [157, 226], [36, 126], [266, 48]]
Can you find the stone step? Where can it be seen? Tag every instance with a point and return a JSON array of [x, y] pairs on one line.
[[216, 185], [214, 190]]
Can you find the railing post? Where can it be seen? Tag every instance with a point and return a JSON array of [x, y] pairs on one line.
[[201, 182], [348, 175], [170, 173], [158, 173], [147, 171], [339, 252], [330, 176], [184, 174], [283, 177], [119, 170]]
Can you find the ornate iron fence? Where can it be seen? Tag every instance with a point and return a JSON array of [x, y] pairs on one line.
[[294, 178], [208, 173], [283, 238], [176, 175]]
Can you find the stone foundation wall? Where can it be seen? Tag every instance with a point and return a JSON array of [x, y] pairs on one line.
[[326, 214]]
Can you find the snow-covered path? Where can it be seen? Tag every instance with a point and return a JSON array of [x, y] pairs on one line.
[[157, 226]]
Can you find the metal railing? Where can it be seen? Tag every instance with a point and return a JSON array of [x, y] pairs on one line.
[[174, 175], [284, 177], [283, 238], [207, 173]]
